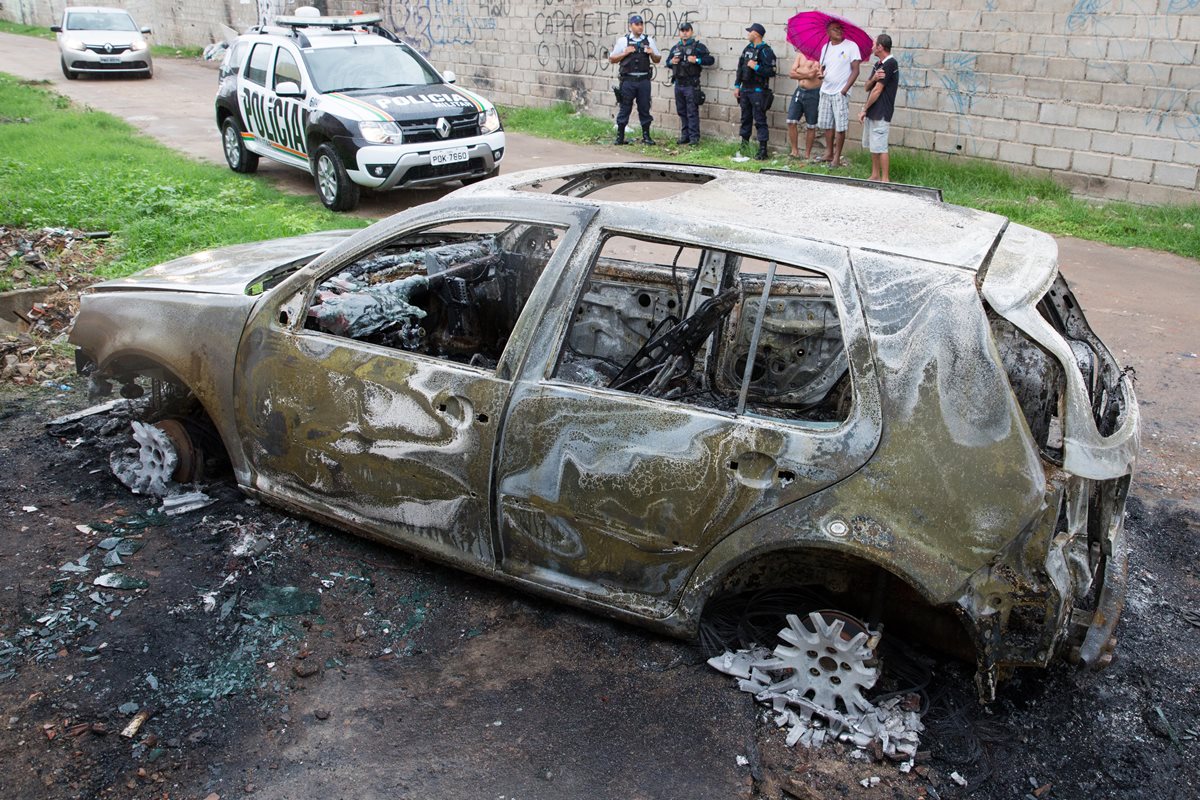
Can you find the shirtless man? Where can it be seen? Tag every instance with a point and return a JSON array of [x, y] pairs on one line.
[[805, 101]]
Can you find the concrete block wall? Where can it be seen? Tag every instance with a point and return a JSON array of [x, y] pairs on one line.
[[1101, 94]]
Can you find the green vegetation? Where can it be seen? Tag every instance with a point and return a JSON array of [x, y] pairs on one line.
[[40, 31], [1038, 202], [65, 167]]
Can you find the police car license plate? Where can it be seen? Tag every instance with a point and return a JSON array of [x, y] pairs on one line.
[[109, 60], [455, 156]]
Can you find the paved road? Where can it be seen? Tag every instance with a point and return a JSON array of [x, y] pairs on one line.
[[1142, 303]]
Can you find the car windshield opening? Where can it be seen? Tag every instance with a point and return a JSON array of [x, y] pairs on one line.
[[100, 21], [338, 69], [453, 292]]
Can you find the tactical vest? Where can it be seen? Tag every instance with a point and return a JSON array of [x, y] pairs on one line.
[[686, 71], [747, 77], [639, 60]]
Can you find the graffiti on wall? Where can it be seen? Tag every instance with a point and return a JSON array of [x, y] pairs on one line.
[[578, 42], [426, 24]]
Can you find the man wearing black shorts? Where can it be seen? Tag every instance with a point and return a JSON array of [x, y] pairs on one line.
[[804, 104]]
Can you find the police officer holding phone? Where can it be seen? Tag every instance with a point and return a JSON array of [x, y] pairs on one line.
[[685, 60], [634, 52]]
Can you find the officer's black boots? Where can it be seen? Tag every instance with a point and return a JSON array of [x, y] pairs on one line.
[[683, 138], [646, 136], [620, 136], [762, 151]]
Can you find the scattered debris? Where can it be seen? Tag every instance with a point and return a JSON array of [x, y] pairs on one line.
[[135, 724], [115, 580], [183, 502], [90, 411], [815, 686]]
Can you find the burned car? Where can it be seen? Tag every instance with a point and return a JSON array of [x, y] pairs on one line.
[[642, 405]]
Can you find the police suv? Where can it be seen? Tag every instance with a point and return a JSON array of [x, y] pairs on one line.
[[346, 100]]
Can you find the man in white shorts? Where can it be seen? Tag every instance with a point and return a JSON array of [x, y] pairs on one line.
[[876, 114], [840, 59]]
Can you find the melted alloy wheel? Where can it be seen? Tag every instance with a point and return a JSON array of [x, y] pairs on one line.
[[831, 661]]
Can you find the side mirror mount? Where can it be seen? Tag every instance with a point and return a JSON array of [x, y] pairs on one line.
[[288, 89], [146, 29], [449, 77], [56, 28]]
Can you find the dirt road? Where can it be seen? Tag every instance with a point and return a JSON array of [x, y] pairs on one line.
[[280, 659]]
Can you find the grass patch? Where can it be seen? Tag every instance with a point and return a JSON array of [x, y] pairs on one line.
[[61, 166], [1034, 201], [40, 31]]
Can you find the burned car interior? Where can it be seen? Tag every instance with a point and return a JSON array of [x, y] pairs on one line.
[[679, 322], [657, 318], [452, 292]]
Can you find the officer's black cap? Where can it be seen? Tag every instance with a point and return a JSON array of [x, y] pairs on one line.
[[685, 26], [757, 28]]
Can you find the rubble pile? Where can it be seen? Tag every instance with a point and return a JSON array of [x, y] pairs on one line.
[[61, 262]]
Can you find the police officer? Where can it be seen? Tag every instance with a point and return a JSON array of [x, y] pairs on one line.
[[756, 67], [634, 51], [685, 59]]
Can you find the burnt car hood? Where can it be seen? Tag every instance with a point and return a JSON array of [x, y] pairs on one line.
[[407, 103], [231, 270]]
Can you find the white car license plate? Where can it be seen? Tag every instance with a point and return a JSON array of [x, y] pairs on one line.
[[455, 156], [109, 60]]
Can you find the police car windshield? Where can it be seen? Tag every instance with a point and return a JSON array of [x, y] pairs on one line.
[[340, 69], [100, 21]]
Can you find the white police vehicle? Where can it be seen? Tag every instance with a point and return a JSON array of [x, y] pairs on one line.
[[346, 100]]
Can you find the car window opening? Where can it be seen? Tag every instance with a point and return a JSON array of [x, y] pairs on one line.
[[454, 292], [676, 322]]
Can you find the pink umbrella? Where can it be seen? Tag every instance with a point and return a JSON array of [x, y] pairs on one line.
[[806, 32]]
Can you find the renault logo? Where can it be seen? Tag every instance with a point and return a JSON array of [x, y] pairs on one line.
[[107, 47], [443, 127]]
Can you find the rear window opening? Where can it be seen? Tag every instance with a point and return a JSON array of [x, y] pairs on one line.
[[689, 324]]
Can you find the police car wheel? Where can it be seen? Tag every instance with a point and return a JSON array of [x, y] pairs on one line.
[[334, 186], [237, 156], [68, 73]]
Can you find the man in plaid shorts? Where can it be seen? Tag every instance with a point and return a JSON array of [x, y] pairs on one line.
[[840, 60]]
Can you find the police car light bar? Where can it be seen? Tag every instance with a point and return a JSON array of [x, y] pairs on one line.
[[334, 23]]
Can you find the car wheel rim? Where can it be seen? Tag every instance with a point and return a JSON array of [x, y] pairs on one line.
[[326, 177], [232, 152]]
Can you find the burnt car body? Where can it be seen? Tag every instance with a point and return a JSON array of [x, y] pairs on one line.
[[640, 405]]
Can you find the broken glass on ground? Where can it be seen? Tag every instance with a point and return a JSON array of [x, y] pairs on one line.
[[284, 601], [116, 580]]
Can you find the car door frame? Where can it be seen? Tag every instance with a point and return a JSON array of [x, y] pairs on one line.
[[280, 318], [664, 557]]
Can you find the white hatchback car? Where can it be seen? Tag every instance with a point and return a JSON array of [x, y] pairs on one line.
[[98, 40]]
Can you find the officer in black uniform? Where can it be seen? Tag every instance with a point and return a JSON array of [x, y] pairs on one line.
[[756, 67], [634, 52], [685, 59]]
